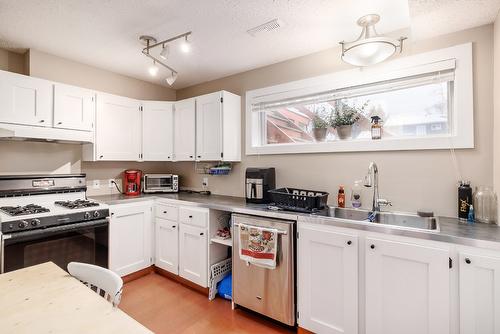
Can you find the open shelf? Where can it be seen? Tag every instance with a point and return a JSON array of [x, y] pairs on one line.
[[226, 242]]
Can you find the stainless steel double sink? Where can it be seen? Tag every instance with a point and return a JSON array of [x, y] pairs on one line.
[[402, 220]]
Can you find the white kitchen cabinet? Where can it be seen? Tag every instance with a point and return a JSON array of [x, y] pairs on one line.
[[157, 131], [74, 107], [184, 130], [479, 282], [193, 254], [218, 127], [209, 127], [25, 100], [167, 245], [327, 279], [130, 237], [407, 287], [118, 128]]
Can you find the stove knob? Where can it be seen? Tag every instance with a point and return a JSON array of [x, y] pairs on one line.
[[96, 214], [87, 215], [35, 222], [23, 224]]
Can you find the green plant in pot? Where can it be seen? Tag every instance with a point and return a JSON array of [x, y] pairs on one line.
[[320, 127], [344, 117]]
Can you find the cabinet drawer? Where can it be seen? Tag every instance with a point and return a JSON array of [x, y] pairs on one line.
[[196, 217], [165, 211]]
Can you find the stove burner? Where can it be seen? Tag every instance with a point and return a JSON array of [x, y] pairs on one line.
[[23, 210], [77, 204]]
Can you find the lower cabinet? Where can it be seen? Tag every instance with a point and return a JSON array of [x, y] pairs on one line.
[[479, 285], [327, 280], [193, 254], [130, 239], [407, 288], [167, 245]]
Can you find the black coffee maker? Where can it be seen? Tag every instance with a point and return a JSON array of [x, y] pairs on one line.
[[257, 183]]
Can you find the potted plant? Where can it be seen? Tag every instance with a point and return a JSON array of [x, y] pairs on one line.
[[320, 127], [344, 116]]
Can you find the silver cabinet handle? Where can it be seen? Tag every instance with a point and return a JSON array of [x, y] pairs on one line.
[[279, 231]]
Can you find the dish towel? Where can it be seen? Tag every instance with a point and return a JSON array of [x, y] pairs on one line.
[[258, 245]]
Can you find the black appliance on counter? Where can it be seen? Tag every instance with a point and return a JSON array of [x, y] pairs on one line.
[[258, 182]]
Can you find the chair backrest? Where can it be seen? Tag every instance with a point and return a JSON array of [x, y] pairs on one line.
[[101, 278]]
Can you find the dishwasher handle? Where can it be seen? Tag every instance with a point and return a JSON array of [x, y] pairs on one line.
[[279, 231]]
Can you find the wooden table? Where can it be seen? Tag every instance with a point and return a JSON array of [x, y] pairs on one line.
[[46, 299]]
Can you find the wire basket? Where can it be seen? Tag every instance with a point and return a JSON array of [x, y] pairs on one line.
[[299, 199], [217, 273]]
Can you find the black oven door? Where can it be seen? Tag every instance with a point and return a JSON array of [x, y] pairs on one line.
[[82, 242]]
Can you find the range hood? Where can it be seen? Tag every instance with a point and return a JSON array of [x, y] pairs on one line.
[[44, 134]]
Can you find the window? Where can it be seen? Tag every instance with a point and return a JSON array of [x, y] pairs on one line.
[[424, 102]]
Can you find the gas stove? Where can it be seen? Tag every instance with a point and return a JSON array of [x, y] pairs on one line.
[[48, 218], [41, 201]]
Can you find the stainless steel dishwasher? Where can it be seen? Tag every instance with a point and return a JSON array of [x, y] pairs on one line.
[[270, 292]]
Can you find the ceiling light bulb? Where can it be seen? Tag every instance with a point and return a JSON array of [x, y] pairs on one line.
[[165, 52], [171, 79], [185, 45], [153, 69]]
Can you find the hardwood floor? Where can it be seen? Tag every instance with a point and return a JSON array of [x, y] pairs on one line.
[[165, 306]]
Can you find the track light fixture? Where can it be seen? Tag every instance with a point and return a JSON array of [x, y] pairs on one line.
[[151, 42], [165, 52]]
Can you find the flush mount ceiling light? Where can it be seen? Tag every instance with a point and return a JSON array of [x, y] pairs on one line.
[[151, 42], [370, 48]]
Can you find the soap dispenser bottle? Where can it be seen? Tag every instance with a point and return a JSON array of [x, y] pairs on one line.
[[376, 127]]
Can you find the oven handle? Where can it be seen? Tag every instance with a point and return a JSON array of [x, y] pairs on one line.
[[50, 230]]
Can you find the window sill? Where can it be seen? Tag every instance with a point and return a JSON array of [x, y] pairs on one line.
[[366, 145]]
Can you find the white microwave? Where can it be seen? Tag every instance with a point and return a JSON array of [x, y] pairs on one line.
[[161, 183]]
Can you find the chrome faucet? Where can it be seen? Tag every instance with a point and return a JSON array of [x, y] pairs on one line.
[[371, 180]]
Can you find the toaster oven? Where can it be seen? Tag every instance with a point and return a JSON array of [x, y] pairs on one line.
[[161, 183]]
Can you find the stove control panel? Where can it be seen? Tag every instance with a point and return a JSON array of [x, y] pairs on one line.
[[50, 221]]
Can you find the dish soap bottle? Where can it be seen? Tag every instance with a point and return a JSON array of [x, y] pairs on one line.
[[356, 194], [376, 128], [341, 197]]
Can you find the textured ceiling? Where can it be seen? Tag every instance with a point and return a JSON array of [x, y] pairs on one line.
[[436, 17], [104, 33]]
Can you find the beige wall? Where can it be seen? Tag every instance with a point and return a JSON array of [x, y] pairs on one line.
[[496, 102], [412, 180], [12, 62], [28, 157]]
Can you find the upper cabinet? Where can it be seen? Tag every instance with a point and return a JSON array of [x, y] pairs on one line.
[[218, 127], [184, 130], [157, 131], [73, 107], [25, 100], [118, 128]]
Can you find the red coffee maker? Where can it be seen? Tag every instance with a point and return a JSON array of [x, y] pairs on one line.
[[132, 182]]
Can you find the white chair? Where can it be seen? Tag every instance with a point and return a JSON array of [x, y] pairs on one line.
[[101, 278]]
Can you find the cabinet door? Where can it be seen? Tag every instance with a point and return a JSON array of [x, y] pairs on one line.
[[130, 240], [25, 100], [157, 131], [407, 288], [74, 107], [479, 280], [184, 130], [327, 280], [209, 127], [193, 259], [118, 128], [167, 245]]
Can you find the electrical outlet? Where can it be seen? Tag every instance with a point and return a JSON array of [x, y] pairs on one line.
[[111, 183], [96, 184], [205, 182]]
